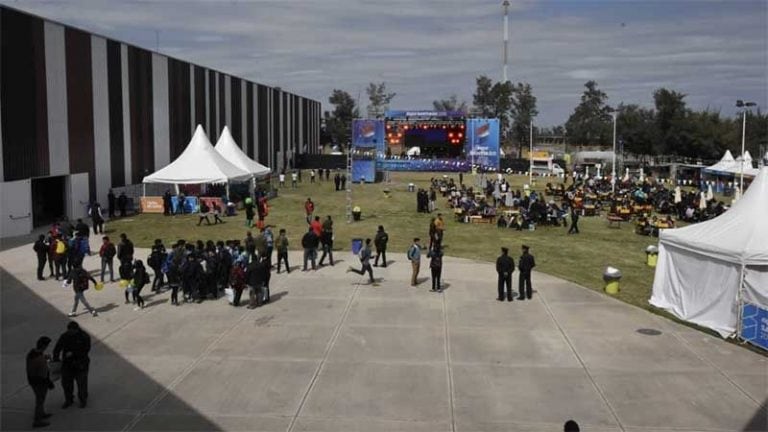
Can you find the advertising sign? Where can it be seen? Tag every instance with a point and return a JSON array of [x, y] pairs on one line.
[[754, 325], [482, 145], [368, 133], [151, 204]]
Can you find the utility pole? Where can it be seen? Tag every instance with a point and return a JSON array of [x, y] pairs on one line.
[[506, 39]]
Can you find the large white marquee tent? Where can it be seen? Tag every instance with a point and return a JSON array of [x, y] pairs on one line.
[[706, 271], [227, 147], [199, 163]]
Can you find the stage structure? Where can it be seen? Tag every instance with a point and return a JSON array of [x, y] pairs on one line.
[[445, 141]]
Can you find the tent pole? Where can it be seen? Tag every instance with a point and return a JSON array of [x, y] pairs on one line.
[[227, 190], [176, 186], [740, 303], [143, 189]]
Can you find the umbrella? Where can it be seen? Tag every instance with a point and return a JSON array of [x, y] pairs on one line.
[[678, 195], [703, 201], [710, 195]]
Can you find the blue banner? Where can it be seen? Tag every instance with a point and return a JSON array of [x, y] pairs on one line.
[[368, 133], [403, 164], [190, 204], [754, 325], [423, 114], [482, 145]]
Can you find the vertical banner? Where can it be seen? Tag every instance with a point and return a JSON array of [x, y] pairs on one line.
[[367, 141], [482, 145], [754, 327]]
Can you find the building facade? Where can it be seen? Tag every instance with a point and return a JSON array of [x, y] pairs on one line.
[[86, 113]]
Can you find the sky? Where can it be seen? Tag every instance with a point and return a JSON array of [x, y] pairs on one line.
[[713, 51]]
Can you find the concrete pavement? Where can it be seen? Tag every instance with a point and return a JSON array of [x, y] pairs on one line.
[[332, 352]]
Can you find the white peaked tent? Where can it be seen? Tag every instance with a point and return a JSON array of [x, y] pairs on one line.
[[723, 165], [706, 271], [198, 163], [228, 148]]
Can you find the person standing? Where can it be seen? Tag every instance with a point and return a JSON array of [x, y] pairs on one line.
[[41, 250], [365, 260], [266, 274], [97, 217], [79, 278], [72, 348], [309, 242], [155, 261], [282, 251], [309, 209], [343, 182], [312, 176], [39, 378], [414, 256], [574, 229], [250, 245], [269, 240], [107, 253], [125, 249], [181, 201], [237, 281], [249, 212], [326, 239], [436, 267], [167, 203], [505, 266], [281, 178], [439, 229], [111, 204], [140, 278], [122, 203], [337, 181], [294, 179], [255, 282], [327, 173], [317, 226], [380, 242], [527, 263]]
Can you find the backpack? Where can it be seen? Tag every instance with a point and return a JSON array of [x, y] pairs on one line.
[[110, 251], [61, 247], [411, 252], [82, 280], [145, 279]]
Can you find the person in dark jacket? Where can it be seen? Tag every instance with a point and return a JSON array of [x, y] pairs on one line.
[[266, 274], [111, 204], [41, 250], [126, 274], [122, 203], [38, 377], [167, 203], [254, 278], [365, 262], [310, 242], [97, 217], [140, 278], [107, 253], [505, 266], [72, 348], [527, 263], [125, 249], [326, 239], [155, 261], [574, 229], [380, 242], [79, 278], [436, 266], [203, 215], [190, 277]]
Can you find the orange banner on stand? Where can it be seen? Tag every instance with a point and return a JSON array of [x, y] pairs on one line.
[[152, 204]]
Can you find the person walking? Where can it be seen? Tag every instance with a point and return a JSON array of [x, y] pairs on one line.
[[140, 278], [111, 204], [309, 209], [79, 278], [365, 260], [527, 263], [282, 251], [269, 241], [107, 253], [414, 256], [574, 229], [203, 215], [380, 242], [310, 242], [155, 261], [326, 240], [72, 348], [505, 266], [41, 250], [436, 267], [97, 217], [39, 378]]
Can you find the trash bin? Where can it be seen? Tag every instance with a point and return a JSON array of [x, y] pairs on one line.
[[651, 255], [411, 187], [357, 244], [356, 214], [611, 276]]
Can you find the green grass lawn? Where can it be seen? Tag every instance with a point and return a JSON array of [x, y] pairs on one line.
[[578, 258]]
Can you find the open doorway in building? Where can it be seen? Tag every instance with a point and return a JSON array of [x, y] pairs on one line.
[[48, 197]]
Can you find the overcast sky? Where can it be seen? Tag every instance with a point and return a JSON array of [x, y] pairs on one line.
[[714, 51]]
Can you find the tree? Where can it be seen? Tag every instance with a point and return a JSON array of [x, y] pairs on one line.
[[483, 98], [450, 104], [522, 111], [590, 122], [379, 99], [339, 122], [670, 120], [636, 128]]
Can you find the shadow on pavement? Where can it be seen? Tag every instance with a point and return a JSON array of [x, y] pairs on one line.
[[120, 392]]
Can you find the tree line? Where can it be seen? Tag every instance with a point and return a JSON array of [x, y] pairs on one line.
[[670, 127]]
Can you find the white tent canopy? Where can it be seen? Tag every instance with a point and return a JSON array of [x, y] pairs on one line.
[[706, 270], [723, 164], [730, 166], [198, 163], [227, 147]]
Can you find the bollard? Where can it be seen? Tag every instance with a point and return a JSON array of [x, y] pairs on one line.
[[651, 255], [611, 276]]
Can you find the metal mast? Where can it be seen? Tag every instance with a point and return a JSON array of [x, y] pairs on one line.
[[506, 39]]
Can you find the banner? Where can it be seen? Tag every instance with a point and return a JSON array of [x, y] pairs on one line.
[[190, 204], [152, 204], [754, 325], [368, 134], [482, 145]]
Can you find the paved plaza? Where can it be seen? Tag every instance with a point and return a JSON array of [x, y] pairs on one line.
[[334, 353]]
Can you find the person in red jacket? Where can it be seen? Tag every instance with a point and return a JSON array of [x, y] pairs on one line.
[[317, 226], [309, 207]]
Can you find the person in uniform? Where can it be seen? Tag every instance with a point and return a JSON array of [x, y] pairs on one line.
[[505, 265], [527, 263]]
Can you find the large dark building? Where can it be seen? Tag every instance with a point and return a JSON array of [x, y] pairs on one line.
[[82, 113]]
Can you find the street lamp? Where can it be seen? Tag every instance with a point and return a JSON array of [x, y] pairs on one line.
[[613, 163], [746, 105], [530, 155]]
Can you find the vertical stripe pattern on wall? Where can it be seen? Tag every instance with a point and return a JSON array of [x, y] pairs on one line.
[[142, 122], [246, 135], [200, 99], [56, 85], [101, 131], [116, 154], [80, 107], [221, 110], [179, 101], [250, 120], [160, 116], [127, 161], [233, 115], [227, 104]]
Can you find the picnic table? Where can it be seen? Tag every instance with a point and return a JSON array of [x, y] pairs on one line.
[[615, 219]]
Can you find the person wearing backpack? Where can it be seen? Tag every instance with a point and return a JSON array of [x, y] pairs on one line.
[[41, 250], [140, 278], [107, 253], [436, 266], [79, 278], [365, 260], [414, 256], [155, 261], [61, 257]]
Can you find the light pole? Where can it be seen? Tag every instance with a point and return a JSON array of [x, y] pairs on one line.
[[530, 155], [741, 104], [613, 163], [506, 38]]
